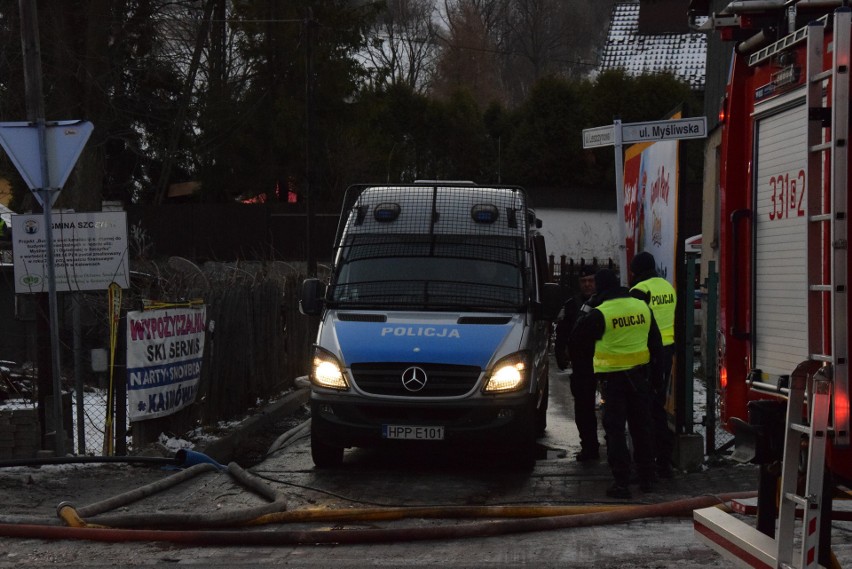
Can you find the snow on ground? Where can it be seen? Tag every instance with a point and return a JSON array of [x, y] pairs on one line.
[[94, 415], [95, 402]]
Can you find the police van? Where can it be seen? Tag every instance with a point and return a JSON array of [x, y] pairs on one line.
[[434, 323]]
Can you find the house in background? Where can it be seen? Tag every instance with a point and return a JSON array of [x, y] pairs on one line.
[[657, 36], [653, 36]]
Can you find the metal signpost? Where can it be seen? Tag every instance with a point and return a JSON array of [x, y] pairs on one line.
[[39, 163], [43, 152], [620, 133]]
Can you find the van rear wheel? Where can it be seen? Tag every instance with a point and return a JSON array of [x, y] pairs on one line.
[[324, 454]]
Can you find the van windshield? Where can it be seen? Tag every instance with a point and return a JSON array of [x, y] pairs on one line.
[[430, 272]]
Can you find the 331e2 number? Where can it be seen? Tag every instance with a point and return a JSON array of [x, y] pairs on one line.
[[787, 195]]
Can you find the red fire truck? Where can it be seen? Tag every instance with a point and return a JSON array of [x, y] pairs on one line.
[[783, 342]]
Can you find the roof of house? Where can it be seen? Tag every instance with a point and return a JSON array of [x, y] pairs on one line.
[[655, 39]]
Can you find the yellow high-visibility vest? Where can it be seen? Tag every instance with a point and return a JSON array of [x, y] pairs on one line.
[[624, 344], [663, 303]]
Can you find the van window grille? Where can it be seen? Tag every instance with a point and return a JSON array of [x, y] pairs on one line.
[[432, 252]]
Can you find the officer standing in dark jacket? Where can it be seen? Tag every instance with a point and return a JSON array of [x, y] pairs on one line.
[[661, 297], [583, 384], [624, 333]]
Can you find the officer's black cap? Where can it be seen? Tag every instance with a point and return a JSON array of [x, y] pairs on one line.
[[587, 271], [606, 279], [642, 263]]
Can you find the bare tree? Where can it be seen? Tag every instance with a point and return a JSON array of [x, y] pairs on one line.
[[525, 39], [401, 47], [471, 52], [551, 37]]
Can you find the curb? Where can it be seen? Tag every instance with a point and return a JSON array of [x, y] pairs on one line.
[[223, 450]]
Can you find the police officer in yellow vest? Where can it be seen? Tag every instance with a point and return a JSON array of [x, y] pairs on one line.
[[624, 334], [661, 297]]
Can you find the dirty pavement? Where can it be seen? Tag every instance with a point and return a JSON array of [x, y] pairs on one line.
[[227, 515]]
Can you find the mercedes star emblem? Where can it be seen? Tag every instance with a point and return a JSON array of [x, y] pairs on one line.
[[414, 379]]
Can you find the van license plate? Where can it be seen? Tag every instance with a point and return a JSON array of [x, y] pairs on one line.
[[413, 432]]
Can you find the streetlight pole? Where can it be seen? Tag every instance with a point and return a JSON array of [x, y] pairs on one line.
[[310, 26], [35, 112]]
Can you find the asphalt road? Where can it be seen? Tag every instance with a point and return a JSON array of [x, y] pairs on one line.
[[376, 479]]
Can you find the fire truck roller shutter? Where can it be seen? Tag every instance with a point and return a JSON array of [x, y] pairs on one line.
[[780, 258]]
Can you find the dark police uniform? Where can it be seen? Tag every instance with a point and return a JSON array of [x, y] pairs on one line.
[[661, 297], [583, 384], [624, 334]]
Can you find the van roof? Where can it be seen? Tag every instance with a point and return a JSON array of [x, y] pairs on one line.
[[441, 208]]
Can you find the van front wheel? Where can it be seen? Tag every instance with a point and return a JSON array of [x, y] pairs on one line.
[[526, 450], [541, 413], [324, 454]]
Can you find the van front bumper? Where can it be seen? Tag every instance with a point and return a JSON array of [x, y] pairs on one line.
[[504, 421]]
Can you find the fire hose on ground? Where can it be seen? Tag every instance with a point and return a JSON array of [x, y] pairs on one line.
[[488, 528], [91, 523], [94, 524]]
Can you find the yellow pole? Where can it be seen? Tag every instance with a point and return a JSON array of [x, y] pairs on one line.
[[114, 302]]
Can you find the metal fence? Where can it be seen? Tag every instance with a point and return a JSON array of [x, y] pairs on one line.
[[260, 345]]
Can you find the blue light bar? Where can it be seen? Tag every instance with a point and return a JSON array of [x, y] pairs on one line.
[[484, 213], [385, 212]]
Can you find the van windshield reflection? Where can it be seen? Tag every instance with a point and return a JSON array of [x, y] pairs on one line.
[[429, 282]]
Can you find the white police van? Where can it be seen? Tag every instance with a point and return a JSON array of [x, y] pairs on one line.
[[434, 323]]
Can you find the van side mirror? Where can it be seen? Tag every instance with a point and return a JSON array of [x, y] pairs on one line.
[[311, 297], [551, 301]]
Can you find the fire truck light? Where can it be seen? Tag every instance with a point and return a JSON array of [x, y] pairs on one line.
[[841, 408], [723, 377]]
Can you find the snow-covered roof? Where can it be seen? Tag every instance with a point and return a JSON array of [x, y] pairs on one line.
[[682, 54]]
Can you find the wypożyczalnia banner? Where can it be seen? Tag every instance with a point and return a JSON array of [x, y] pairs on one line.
[[164, 353]]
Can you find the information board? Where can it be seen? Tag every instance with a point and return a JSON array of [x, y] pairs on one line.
[[90, 251]]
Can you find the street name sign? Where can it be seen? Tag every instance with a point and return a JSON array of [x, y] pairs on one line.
[[653, 131], [675, 129], [598, 136]]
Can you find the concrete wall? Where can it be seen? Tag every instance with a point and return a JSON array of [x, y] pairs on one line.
[[20, 433], [579, 233]]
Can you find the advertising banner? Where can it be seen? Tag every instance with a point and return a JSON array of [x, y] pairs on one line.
[[650, 203], [164, 353], [90, 251]]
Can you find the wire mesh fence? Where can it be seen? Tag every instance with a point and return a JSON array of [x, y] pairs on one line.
[[258, 347], [88, 417]]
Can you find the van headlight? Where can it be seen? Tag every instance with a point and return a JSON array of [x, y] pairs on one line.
[[326, 371], [508, 374]]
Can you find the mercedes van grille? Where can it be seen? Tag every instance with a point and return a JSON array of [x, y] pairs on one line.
[[441, 380]]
